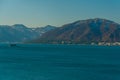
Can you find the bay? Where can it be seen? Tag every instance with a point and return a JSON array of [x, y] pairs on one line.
[[59, 62]]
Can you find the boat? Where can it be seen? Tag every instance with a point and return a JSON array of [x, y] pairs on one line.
[[13, 45]]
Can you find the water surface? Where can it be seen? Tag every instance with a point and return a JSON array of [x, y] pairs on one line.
[[59, 62]]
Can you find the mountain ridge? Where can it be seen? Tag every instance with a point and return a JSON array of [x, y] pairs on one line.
[[83, 31], [20, 33]]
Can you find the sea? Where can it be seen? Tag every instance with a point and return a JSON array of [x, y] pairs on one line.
[[59, 62]]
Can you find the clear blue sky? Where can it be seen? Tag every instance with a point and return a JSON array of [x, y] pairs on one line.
[[34, 13]]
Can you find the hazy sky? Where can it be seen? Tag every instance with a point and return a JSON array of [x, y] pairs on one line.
[[34, 13]]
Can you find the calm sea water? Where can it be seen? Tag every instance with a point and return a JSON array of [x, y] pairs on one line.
[[59, 62]]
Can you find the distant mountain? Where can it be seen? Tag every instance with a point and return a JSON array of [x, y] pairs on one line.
[[83, 31], [42, 30], [20, 33]]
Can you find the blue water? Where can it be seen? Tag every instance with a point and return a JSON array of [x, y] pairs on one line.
[[59, 62]]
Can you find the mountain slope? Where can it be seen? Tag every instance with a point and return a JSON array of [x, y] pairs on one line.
[[20, 33], [84, 31], [45, 29]]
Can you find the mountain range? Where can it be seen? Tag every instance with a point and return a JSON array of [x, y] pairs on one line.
[[83, 31], [21, 33]]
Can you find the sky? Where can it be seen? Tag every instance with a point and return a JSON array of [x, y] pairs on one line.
[[38, 13]]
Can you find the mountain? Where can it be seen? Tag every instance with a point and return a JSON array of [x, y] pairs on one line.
[[42, 30], [20, 33], [83, 31]]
